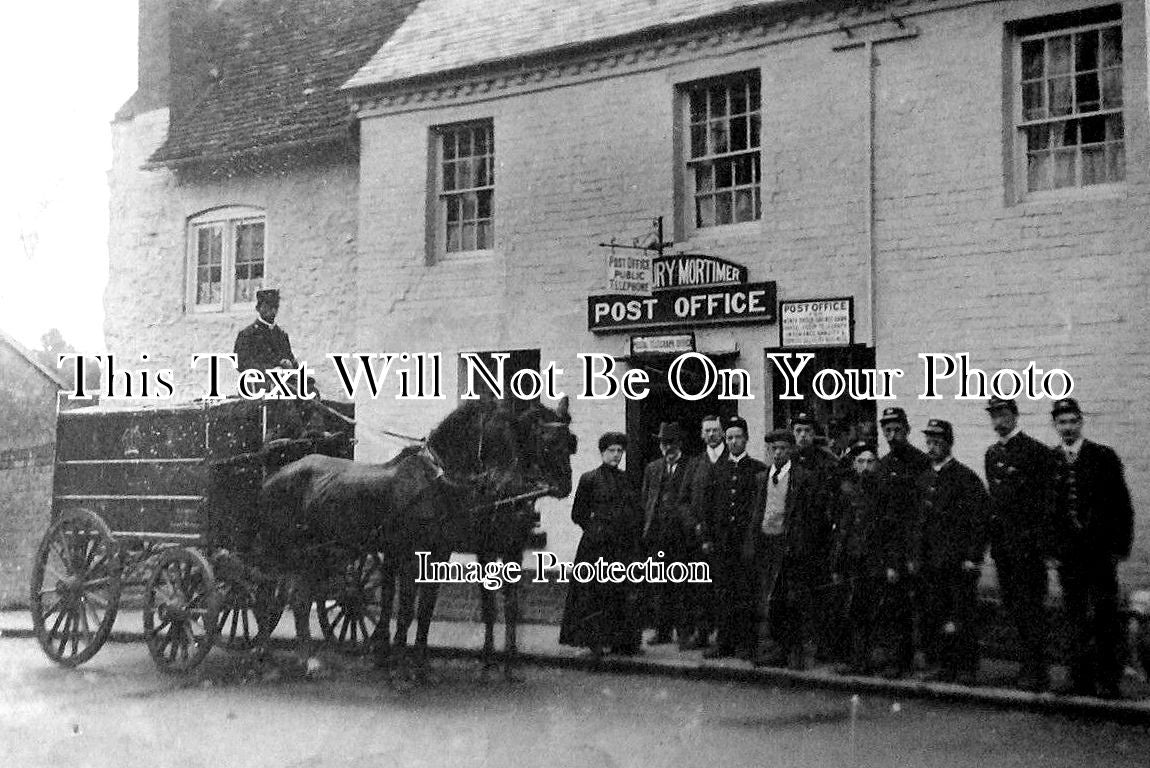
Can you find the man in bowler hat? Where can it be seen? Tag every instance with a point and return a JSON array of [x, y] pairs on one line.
[[1020, 473], [667, 532], [1096, 520], [951, 544]]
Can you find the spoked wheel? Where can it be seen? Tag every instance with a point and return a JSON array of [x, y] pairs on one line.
[[351, 612], [238, 622], [181, 610], [75, 587]]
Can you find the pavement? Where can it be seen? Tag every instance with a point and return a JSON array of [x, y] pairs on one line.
[[538, 644]]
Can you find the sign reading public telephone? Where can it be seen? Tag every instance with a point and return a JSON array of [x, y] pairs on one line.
[[687, 290]]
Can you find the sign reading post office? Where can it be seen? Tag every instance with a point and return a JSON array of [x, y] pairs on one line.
[[816, 323], [746, 303]]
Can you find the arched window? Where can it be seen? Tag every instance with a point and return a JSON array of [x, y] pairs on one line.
[[226, 258]]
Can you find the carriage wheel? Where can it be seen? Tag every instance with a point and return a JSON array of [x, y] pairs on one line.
[[75, 587], [181, 610], [238, 623], [351, 612]]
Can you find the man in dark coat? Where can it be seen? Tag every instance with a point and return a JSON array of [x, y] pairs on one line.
[[786, 545], [898, 510], [263, 344], [1020, 474], [1096, 521], [951, 544], [667, 533], [696, 491], [599, 615], [730, 503]]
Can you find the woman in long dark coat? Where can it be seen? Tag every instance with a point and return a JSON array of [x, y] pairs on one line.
[[598, 615]]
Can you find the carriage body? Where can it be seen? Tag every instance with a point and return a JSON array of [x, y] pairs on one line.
[[148, 495]]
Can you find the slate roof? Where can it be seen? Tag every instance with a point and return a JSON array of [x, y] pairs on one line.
[[272, 74], [443, 35]]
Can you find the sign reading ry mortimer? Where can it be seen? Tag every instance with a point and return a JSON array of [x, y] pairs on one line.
[[745, 303]]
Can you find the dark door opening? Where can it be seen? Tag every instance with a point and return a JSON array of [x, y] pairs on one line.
[[661, 404], [844, 409]]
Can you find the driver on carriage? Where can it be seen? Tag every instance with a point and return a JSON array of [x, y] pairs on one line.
[[264, 346]]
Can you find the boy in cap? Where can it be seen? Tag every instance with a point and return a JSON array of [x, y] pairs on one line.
[[952, 541], [1020, 476], [665, 532], [1097, 521]]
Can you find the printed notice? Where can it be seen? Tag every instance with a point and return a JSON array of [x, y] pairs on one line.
[[816, 323]]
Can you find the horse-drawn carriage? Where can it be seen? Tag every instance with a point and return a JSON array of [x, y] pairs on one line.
[[162, 498], [221, 527]]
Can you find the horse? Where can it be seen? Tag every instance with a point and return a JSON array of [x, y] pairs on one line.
[[319, 513], [497, 525]]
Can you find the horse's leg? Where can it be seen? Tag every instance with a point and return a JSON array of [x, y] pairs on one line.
[[268, 610], [487, 604], [302, 596], [380, 642], [405, 574], [510, 622], [429, 593]]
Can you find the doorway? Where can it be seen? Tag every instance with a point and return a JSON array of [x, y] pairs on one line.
[[844, 409], [662, 405]]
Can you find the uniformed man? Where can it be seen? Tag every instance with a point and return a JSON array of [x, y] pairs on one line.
[[263, 344], [952, 542], [667, 532], [732, 497], [696, 490], [1020, 473], [823, 467], [1097, 529], [898, 511]]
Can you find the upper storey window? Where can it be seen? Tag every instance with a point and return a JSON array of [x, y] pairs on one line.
[[226, 258]]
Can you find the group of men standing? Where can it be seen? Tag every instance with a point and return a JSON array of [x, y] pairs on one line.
[[870, 562]]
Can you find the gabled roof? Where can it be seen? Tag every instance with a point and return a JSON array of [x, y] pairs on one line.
[[25, 353], [444, 35], [272, 72]]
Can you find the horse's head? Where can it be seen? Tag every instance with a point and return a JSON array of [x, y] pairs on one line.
[[546, 445]]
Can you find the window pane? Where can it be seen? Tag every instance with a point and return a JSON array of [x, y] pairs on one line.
[[699, 140], [448, 176], [452, 237], [1058, 55], [1111, 88], [481, 141], [703, 178], [698, 106], [723, 208], [1093, 130], [753, 89], [1086, 92], [463, 174], [483, 202], [744, 205], [467, 241], [481, 173], [464, 143], [448, 142], [724, 173], [1064, 168], [718, 105], [1086, 50], [1033, 105], [483, 236], [705, 212], [744, 171], [1113, 127], [1037, 137], [1093, 165], [738, 133], [754, 127], [1038, 171], [469, 207], [739, 99], [1111, 46], [1060, 96], [1032, 59], [719, 141]]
